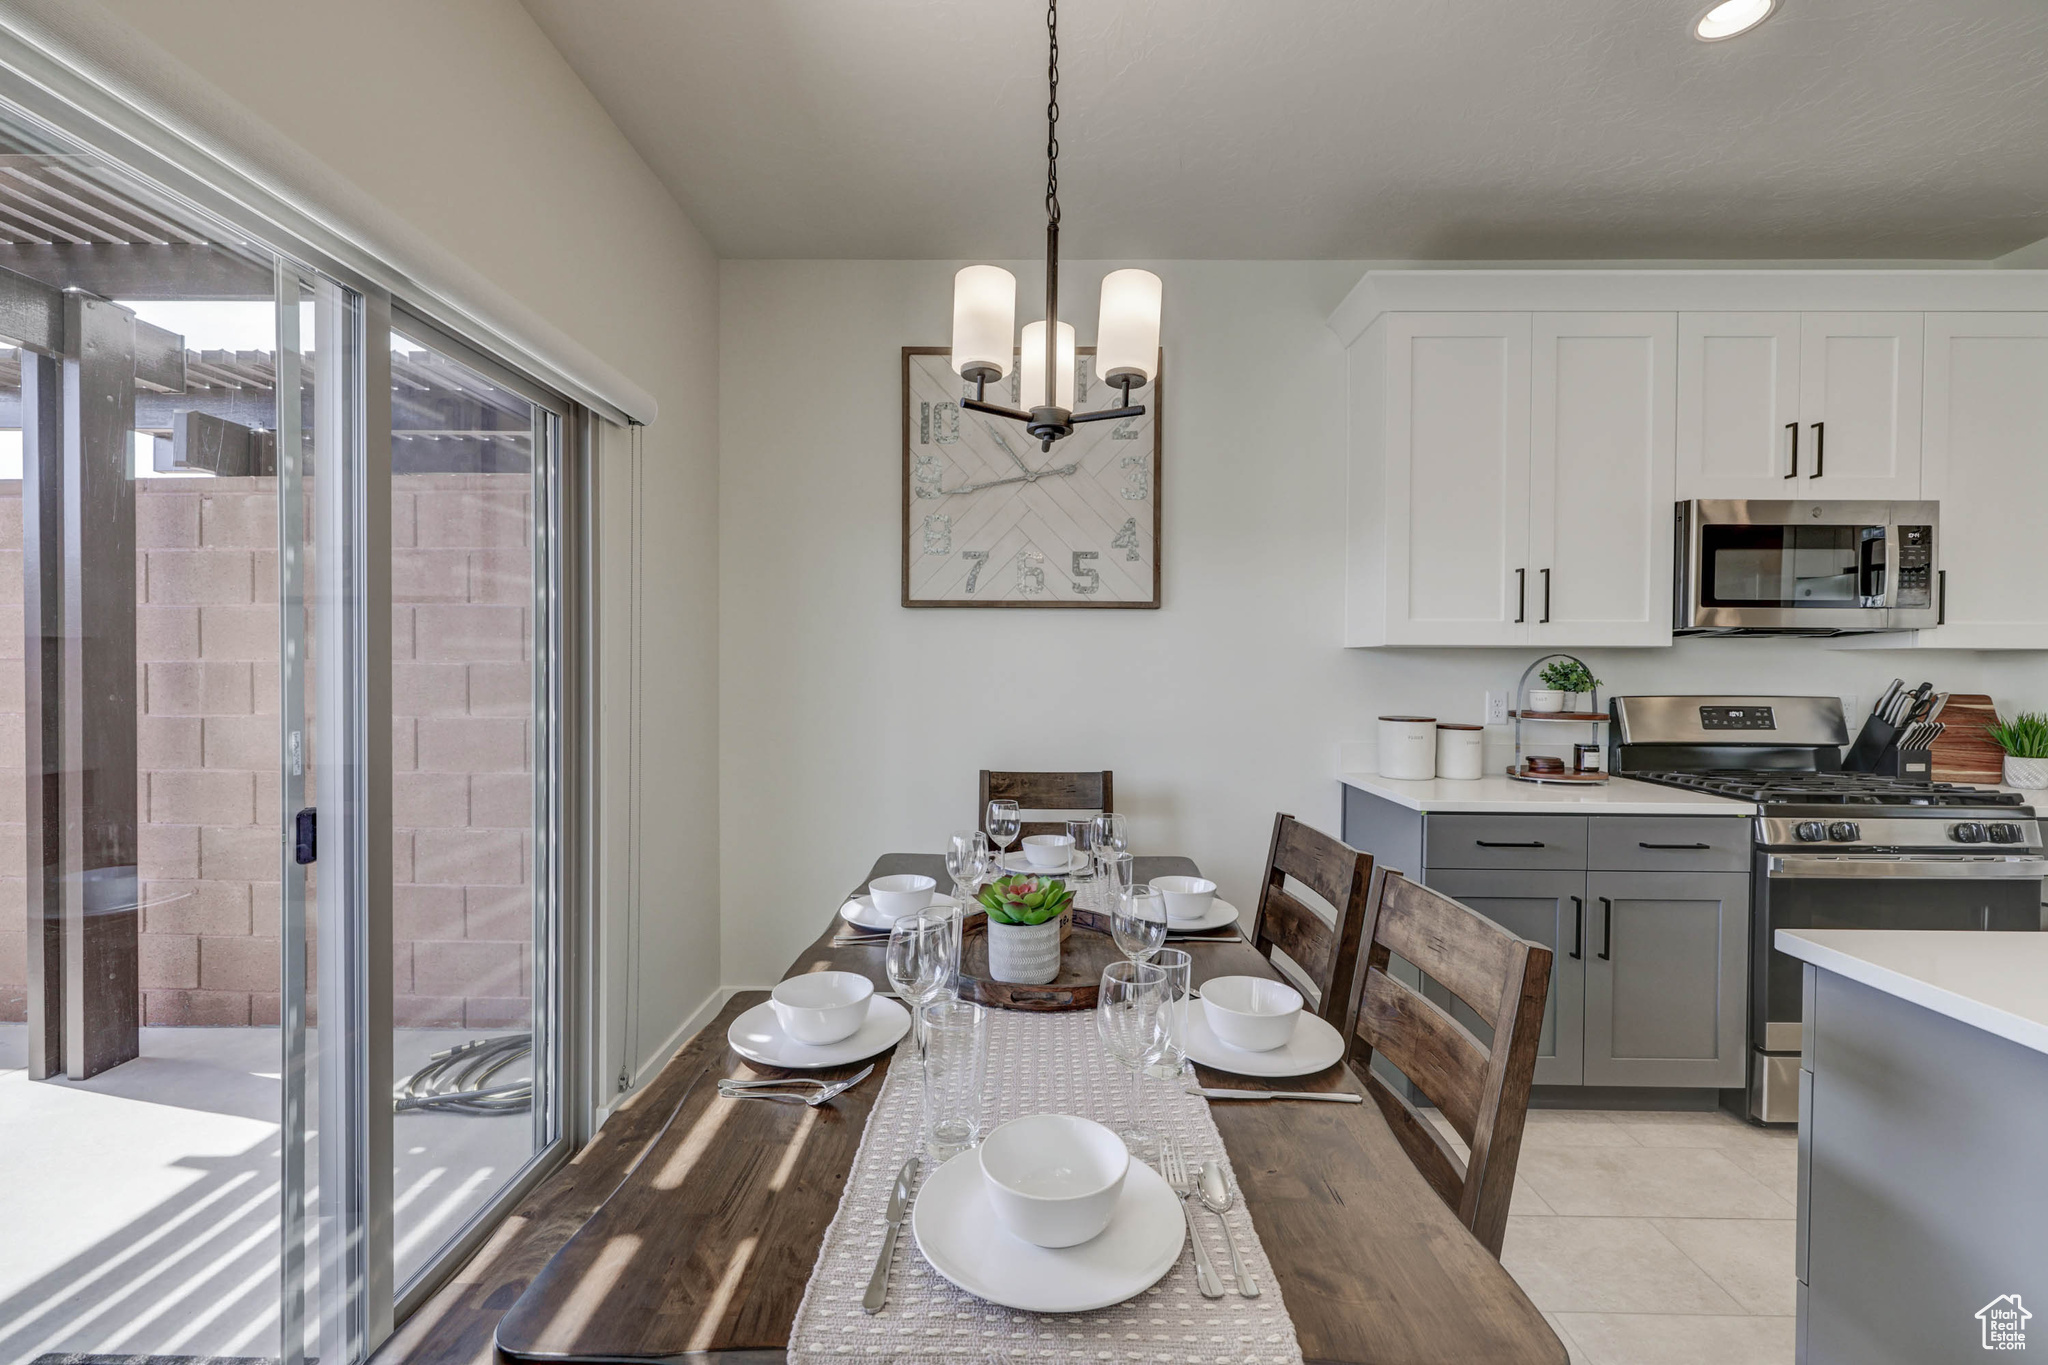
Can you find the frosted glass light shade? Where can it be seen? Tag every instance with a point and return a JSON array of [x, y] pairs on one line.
[[1031, 367], [1127, 334], [984, 318]]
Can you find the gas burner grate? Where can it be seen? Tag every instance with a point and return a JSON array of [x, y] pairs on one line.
[[1846, 789]]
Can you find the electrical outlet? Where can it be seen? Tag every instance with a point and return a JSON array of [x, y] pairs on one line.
[[1852, 707], [1496, 708]]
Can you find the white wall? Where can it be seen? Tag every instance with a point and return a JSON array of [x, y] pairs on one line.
[[853, 726], [460, 118]]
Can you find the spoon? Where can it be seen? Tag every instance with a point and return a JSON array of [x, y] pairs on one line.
[[1216, 1199]]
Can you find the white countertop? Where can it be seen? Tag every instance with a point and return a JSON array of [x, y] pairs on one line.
[[1995, 982], [1497, 792]]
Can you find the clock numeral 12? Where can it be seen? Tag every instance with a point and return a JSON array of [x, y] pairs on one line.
[[1086, 578], [978, 558]]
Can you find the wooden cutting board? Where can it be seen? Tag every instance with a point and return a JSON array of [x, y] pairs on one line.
[[1965, 753]]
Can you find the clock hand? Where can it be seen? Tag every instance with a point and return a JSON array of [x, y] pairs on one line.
[[1006, 447], [1030, 476]]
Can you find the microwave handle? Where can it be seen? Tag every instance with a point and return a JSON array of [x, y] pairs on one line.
[[1793, 427]]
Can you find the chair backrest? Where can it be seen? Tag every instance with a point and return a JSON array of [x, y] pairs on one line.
[[1482, 1089], [1074, 794], [1339, 874]]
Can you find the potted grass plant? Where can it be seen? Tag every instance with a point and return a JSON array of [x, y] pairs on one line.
[[1564, 681], [2025, 741], [1024, 927]]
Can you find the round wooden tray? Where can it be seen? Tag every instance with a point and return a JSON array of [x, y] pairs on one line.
[[1086, 951], [1566, 778]]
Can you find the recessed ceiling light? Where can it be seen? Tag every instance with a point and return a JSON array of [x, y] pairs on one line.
[[1731, 17]]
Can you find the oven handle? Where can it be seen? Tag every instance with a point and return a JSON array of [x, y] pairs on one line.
[[1783, 866]]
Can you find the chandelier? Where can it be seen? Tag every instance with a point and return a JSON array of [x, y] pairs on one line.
[[985, 317]]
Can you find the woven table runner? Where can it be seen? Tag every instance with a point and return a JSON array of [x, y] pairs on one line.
[[1037, 1063]]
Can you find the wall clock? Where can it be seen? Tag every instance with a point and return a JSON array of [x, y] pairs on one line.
[[989, 520]]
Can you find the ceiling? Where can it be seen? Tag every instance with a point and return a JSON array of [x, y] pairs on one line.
[[1348, 129]]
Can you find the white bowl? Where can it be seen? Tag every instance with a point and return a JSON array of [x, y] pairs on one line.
[[1186, 897], [1252, 1013], [904, 894], [1053, 1179], [1049, 850], [822, 1007]]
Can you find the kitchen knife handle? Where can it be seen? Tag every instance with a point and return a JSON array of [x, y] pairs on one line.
[[1606, 929], [1521, 596], [1578, 928], [1793, 427], [1820, 449]]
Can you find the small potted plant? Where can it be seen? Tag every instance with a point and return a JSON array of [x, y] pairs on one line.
[[1024, 927], [1564, 682], [2025, 741]]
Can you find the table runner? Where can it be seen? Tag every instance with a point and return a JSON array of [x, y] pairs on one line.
[[1037, 1063]]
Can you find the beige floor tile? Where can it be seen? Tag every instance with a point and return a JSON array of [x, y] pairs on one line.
[[1700, 1130], [1775, 1167], [1751, 1258], [1557, 1326], [1607, 1265], [1525, 1199], [1526, 1202], [1637, 1182], [1666, 1339]]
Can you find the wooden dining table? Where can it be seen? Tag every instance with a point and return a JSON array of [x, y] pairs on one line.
[[689, 1226]]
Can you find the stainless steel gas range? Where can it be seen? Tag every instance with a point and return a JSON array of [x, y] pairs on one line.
[[1831, 850]]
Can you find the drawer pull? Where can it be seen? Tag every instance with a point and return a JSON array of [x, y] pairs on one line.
[[1578, 927], [1687, 848], [1491, 843]]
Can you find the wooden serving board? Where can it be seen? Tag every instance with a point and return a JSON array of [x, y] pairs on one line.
[[1086, 951], [1964, 752]]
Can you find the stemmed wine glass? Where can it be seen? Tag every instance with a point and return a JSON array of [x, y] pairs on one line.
[[1130, 1014], [921, 959], [1137, 921], [1004, 823], [967, 861]]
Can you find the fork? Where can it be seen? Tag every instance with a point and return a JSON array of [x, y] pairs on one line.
[[782, 1089], [1174, 1167]]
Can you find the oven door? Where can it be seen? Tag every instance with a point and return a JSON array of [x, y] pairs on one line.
[[1823, 567], [1794, 891]]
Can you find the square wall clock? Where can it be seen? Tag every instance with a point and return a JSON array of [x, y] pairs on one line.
[[989, 520]]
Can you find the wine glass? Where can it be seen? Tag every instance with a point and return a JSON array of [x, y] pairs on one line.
[[921, 958], [1112, 835], [1118, 872], [967, 861], [1004, 823], [1130, 1015], [1137, 921]]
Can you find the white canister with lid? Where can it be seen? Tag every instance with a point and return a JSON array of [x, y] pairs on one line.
[[1408, 747], [1460, 751]]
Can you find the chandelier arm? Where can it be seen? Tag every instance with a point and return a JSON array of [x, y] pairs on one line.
[[976, 405], [1108, 414]]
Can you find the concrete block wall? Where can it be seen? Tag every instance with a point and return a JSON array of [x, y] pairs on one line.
[[207, 650]]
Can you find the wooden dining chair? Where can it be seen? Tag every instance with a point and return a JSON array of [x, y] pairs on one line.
[[1071, 794], [1483, 1089], [1326, 953]]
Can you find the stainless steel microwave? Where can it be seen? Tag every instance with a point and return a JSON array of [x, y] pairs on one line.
[[1806, 568]]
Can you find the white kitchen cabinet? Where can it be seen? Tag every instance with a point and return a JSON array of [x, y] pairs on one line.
[[1799, 405], [1601, 478]]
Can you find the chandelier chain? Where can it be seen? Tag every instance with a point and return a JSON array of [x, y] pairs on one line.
[[1052, 115]]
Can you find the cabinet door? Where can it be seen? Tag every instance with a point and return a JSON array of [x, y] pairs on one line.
[[1738, 404], [1457, 478], [1667, 957], [1859, 396], [1601, 477], [1987, 431], [1546, 908]]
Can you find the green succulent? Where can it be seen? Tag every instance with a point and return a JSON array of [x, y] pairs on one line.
[[2024, 736], [1568, 675], [1025, 899]]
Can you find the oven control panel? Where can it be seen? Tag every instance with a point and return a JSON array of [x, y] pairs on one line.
[[1997, 834], [1914, 566], [1738, 718]]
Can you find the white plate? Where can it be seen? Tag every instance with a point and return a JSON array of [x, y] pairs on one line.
[[860, 912], [958, 1233], [1221, 912], [1023, 866], [757, 1036], [1314, 1046]]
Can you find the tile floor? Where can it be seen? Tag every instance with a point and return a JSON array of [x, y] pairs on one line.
[[1656, 1238]]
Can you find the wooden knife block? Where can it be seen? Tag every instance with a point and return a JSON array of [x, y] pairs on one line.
[[1965, 752]]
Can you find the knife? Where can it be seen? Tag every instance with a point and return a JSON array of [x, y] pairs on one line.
[[1333, 1096], [899, 1207]]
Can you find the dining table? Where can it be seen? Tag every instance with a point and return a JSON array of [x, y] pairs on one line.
[[689, 1226]]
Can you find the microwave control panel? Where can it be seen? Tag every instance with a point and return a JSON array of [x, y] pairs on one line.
[[1913, 566]]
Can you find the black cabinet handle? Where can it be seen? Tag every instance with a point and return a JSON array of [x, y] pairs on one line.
[[306, 836], [1546, 599], [1793, 427], [1606, 928], [1941, 612], [1521, 596], [1687, 847], [1489, 843], [1820, 449], [1578, 928]]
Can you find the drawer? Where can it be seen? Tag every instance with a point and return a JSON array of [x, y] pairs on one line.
[[1669, 843], [1556, 842]]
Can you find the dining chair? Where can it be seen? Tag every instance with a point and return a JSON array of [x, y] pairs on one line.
[[1061, 793], [1482, 1088], [1327, 954]]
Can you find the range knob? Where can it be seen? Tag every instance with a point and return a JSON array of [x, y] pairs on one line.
[[1969, 832], [1844, 831], [1810, 831], [2003, 833]]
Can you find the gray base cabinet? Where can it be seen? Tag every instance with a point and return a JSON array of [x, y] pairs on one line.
[[1666, 971], [1544, 907]]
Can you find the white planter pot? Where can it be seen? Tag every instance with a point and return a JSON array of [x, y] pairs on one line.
[[2030, 773], [1024, 954], [1545, 699]]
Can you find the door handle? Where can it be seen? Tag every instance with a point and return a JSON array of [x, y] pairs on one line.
[[1578, 928], [1489, 843], [1820, 449], [1606, 929], [1941, 609], [1546, 599], [1521, 596], [1793, 427], [1675, 847]]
